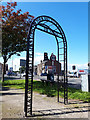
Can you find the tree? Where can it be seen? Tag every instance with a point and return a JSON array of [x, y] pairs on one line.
[[14, 31], [22, 69]]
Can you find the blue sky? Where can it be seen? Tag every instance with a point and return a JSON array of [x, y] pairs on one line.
[[73, 18], [47, 0]]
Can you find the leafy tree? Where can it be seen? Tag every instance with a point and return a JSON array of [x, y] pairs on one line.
[[22, 68], [14, 31]]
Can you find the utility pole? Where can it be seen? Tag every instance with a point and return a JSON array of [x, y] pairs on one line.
[[12, 63], [15, 67]]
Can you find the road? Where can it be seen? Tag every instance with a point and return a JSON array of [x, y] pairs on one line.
[[75, 82], [72, 82]]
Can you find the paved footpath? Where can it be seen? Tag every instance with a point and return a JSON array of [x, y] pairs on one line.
[[43, 107]]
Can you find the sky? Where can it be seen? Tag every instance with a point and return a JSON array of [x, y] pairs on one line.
[[47, 0], [73, 18]]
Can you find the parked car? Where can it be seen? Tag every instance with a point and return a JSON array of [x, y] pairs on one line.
[[11, 73], [43, 74], [14, 74], [23, 74], [72, 74]]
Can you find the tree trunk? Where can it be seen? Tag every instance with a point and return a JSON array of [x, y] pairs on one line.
[[3, 70]]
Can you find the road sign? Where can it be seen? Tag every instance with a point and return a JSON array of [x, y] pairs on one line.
[[82, 71]]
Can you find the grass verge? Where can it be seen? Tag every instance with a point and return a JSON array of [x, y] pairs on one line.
[[50, 90]]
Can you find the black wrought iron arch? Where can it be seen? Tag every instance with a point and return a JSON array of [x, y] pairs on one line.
[[42, 23], [40, 19]]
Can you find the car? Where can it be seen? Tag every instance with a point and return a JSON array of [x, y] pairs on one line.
[[72, 74], [23, 74], [43, 74], [9, 73], [14, 74]]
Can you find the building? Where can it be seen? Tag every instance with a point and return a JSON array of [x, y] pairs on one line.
[[1, 68], [35, 70], [47, 64]]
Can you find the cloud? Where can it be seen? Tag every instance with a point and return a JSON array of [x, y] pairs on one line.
[[15, 62], [39, 54], [38, 58], [78, 66]]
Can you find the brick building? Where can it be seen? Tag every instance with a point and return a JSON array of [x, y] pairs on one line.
[[42, 67]]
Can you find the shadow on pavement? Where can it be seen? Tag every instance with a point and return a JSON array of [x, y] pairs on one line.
[[11, 93], [77, 102], [5, 88], [61, 111]]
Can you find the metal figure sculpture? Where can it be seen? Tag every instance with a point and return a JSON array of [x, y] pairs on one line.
[[52, 27]]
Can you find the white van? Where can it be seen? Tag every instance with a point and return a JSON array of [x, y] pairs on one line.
[[72, 74]]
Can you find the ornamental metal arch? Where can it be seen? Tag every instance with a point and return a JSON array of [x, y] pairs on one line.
[[52, 27]]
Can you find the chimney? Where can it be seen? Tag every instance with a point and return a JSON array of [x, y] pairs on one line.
[[45, 56]]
